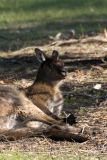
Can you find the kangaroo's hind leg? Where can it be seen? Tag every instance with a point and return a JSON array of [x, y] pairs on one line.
[[61, 133]]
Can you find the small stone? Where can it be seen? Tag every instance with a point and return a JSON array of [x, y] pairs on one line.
[[97, 86]]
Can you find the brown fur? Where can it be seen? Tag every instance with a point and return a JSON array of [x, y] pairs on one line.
[[44, 95], [34, 111]]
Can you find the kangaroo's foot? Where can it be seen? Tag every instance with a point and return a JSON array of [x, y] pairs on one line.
[[67, 133]]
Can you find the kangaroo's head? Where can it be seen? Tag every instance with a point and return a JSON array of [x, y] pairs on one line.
[[52, 68]]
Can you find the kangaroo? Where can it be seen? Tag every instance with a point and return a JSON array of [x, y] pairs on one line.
[[36, 111], [45, 92]]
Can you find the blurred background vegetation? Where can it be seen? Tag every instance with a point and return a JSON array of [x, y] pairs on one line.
[[31, 22]]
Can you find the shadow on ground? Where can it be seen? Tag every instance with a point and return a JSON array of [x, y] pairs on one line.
[[15, 38], [33, 30]]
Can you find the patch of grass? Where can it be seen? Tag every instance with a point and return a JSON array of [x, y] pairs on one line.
[[17, 12], [23, 156], [79, 101], [83, 110], [26, 22]]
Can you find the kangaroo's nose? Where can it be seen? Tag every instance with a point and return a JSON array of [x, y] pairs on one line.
[[64, 72]]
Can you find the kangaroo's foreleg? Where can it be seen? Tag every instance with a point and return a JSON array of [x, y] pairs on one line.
[[32, 112]]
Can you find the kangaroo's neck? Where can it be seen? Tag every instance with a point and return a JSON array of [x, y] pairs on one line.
[[46, 81], [42, 88]]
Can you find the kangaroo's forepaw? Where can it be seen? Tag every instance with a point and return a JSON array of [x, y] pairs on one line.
[[70, 119]]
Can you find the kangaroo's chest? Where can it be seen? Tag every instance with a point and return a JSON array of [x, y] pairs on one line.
[[45, 96], [55, 104]]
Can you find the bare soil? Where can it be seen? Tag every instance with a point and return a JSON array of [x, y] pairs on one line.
[[84, 89]]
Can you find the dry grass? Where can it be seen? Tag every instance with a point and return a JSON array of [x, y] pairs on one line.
[[87, 103]]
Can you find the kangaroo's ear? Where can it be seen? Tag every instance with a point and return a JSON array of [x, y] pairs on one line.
[[40, 55], [55, 55]]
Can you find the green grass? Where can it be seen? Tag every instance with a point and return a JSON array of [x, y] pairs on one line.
[[34, 156], [28, 22], [24, 11]]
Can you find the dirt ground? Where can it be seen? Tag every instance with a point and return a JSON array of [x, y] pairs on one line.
[[84, 89]]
